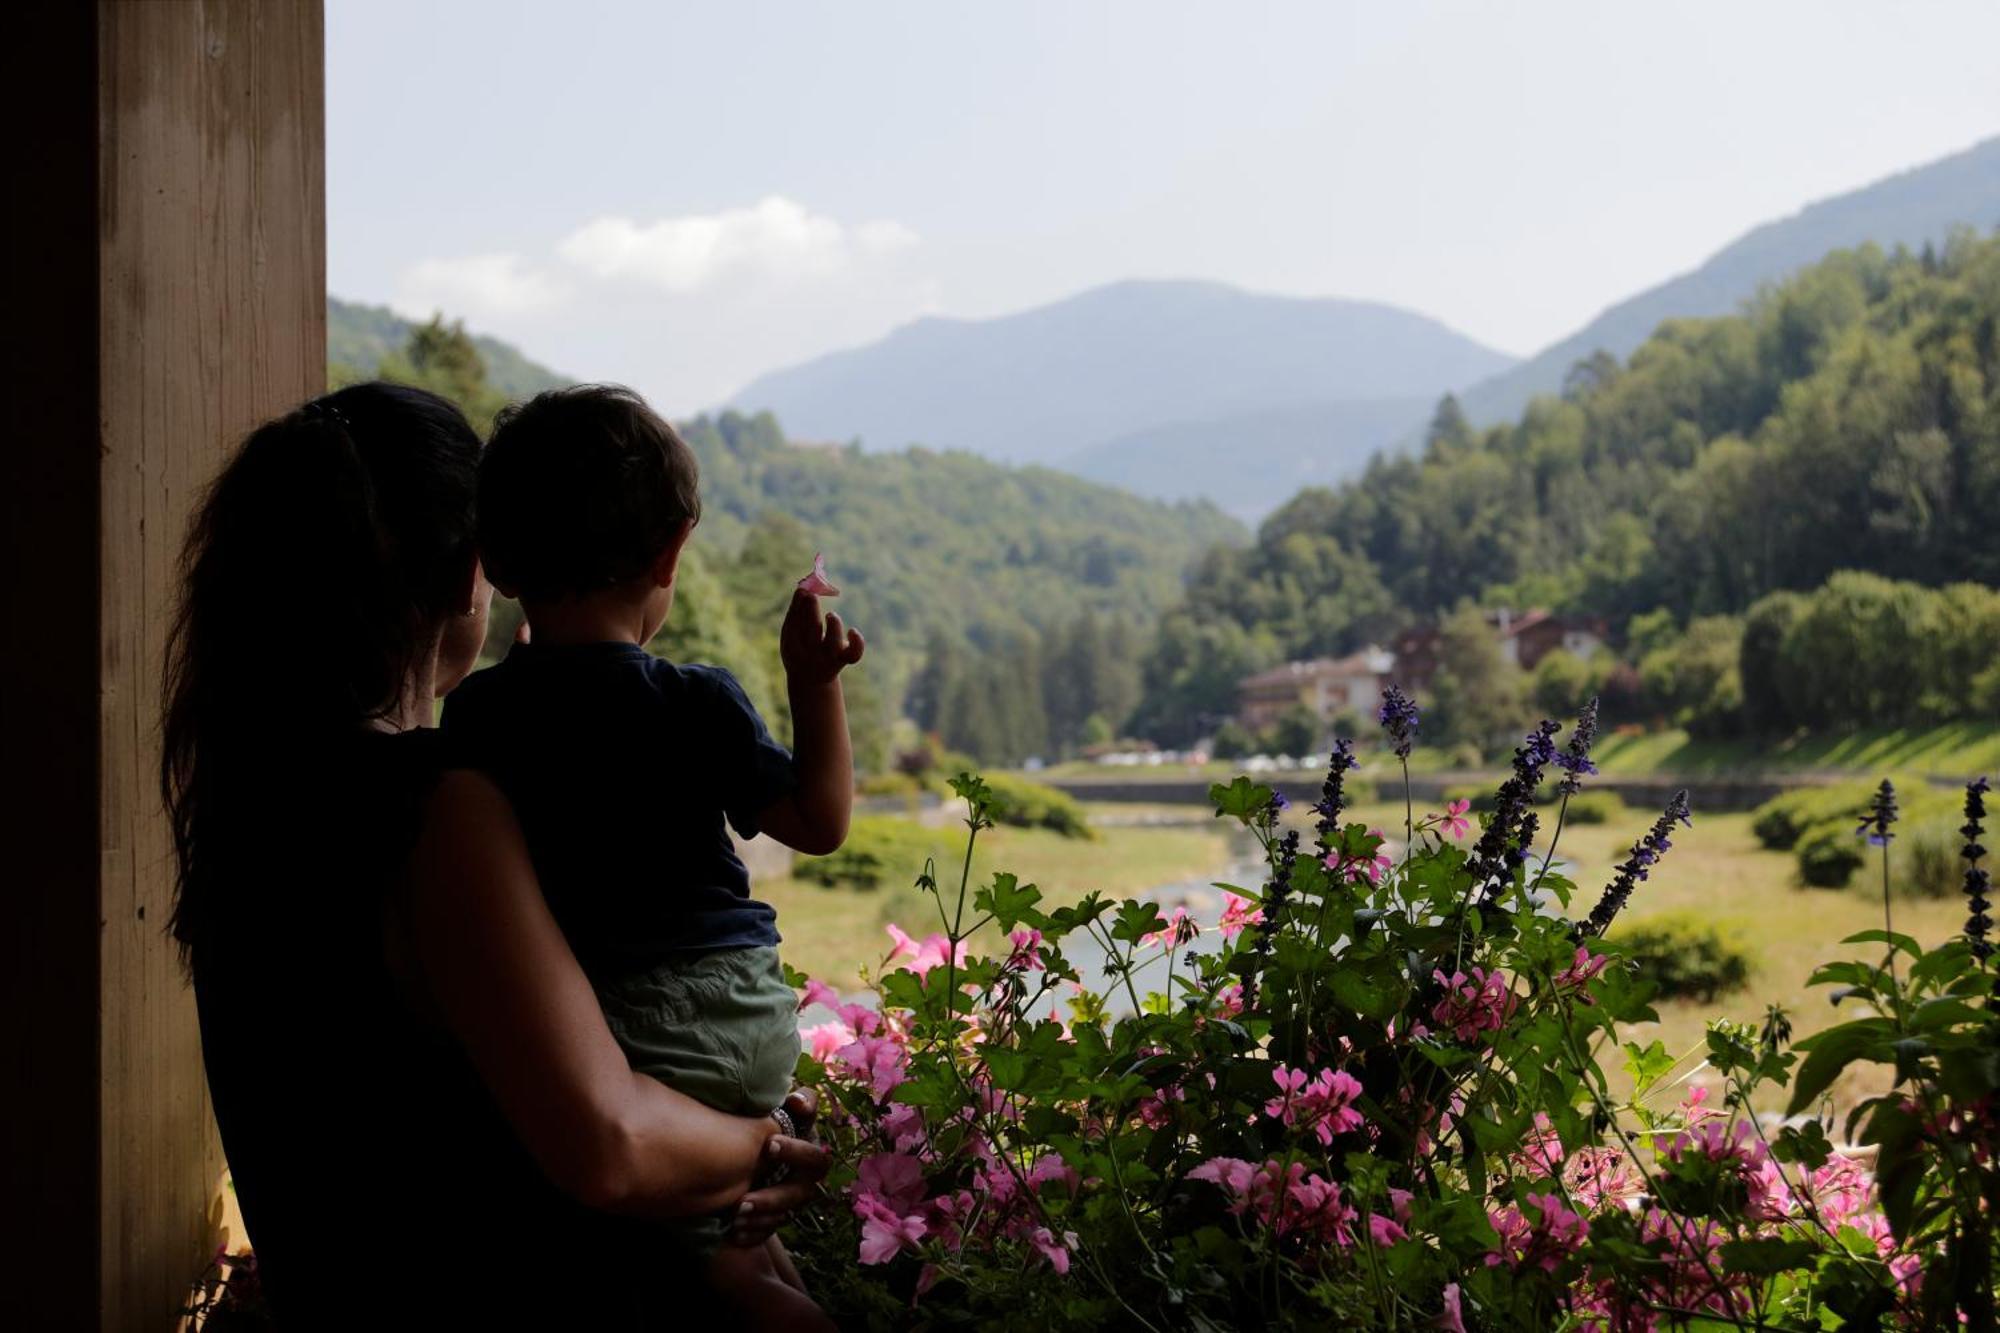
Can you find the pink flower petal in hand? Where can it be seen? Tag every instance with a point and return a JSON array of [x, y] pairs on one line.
[[817, 583]]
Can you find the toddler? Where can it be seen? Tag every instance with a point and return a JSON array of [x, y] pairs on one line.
[[627, 771]]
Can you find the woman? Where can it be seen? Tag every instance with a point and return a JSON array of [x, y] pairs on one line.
[[427, 1122]]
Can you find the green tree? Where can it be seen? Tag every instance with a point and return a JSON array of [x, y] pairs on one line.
[[1760, 667], [1479, 697]]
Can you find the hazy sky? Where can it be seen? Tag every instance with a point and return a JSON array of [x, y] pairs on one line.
[[682, 196]]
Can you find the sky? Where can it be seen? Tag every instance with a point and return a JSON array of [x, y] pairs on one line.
[[682, 196]]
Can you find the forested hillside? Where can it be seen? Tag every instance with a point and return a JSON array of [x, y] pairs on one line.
[[359, 337], [1849, 420], [943, 551], [1910, 208]]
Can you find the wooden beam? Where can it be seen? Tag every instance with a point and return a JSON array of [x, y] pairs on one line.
[[181, 285]]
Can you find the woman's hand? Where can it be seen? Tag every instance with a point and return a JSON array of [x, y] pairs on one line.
[[805, 1164]]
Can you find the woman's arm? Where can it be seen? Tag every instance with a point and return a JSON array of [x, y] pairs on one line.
[[508, 986]]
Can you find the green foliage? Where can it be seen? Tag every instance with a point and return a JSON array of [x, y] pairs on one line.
[[879, 848], [1004, 607], [1594, 807], [1830, 850], [1694, 680], [1929, 854], [1479, 697], [1829, 853], [1780, 822], [1382, 1107], [1019, 803], [1687, 955], [1847, 420], [360, 337], [1297, 732]]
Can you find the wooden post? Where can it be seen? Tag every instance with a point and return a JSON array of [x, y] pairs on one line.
[[167, 292]]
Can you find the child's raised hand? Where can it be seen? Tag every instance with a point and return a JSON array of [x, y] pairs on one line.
[[815, 648]]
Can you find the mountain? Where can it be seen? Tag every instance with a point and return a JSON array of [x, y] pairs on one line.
[[1047, 384], [359, 336], [1918, 206], [1247, 464]]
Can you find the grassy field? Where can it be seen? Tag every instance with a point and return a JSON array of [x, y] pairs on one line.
[[833, 932], [1958, 750]]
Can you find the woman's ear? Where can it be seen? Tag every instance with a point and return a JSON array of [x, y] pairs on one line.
[[669, 564]]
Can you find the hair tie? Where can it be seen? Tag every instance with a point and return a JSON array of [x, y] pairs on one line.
[[319, 409]]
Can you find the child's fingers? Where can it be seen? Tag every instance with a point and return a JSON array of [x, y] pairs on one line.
[[856, 645], [836, 632]]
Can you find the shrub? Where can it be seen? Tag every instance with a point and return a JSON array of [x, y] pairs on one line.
[[1932, 864], [1594, 807], [879, 848], [1830, 849], [1232, 741], [893, 783], [1019, 803], [1782, 820], [1829, 853], [1687, 955]]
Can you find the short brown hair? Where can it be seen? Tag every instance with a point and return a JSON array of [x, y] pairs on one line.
[[582, 488]]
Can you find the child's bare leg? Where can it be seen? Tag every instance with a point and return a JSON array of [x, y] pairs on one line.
[[786, 1269], [762, 1288]]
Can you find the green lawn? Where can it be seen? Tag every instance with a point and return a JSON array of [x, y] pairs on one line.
[[834, 932], [1957, 750]]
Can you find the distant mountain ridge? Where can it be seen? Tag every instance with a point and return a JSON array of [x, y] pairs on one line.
[[1186, 389], [360, 336], [1910, 208], [1044, 384]]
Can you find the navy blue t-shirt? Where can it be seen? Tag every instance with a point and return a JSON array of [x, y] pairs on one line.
[[622, 768]]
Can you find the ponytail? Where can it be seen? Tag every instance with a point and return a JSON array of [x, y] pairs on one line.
[[315, 575]]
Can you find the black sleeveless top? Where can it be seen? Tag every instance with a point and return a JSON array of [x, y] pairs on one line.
[[380, 1185]]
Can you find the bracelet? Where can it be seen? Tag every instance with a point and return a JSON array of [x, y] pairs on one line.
[[781, 1170]]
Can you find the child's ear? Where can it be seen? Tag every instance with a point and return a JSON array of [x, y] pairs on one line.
[[669, 563]]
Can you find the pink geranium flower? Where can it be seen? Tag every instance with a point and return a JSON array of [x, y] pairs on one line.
[[1581, 972], [1056, 1252], [1454, 821], [1323, 1104], [827, 1040], [884, 1232], [1237, 914], [1180, 928], [1473, 1003], [897, 1179], [817, 583], [878, 1062], [1369, 867], [1453, 1318], [1027, 954], [1543, 1241], [817, 992], [921, 958]]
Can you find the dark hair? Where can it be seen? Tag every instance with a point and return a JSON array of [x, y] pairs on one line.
[[581, 488], [357, 507]]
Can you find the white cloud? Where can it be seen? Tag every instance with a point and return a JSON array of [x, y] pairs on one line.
[[687, 308], [775, 239], [493, 286]]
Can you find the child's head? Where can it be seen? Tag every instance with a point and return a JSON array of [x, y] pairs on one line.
[[586, 492]]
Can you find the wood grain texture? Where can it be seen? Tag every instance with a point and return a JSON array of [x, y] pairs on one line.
[[211, 317]]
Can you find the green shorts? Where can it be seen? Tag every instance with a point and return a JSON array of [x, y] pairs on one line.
[[722, 1027]]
